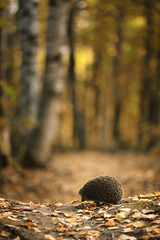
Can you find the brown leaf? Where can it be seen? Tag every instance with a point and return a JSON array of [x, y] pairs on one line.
[[125, 230], [82, 233], [5, 234], [49, 237], [29, 224], [4, 204], [126, 237], [137, 224], [121, 216], [5, 215], [71, 220], [110, 223]]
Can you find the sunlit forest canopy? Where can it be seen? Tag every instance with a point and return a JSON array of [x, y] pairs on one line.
[[97, 87]]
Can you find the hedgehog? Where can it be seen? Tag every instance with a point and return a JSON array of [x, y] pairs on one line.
[[105, 189]]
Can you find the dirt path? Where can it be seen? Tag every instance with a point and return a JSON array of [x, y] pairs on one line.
[[69, 171]]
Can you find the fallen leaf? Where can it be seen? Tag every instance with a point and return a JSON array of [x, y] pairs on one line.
[[121, 216], [5, 234], [49, 237], [4, 204], [156, 231], [93, 233], [29, 224], [128, 210], [135, 198], [113, 228], [71, 220], [147, 211], [68, 214], [144, 216], [127, 230], [137, 224], [75, 201], [110, 223], [82, 233], [58, 204], [126, 237], [156, 221], [150, 229], [5, 215], [17, 238]]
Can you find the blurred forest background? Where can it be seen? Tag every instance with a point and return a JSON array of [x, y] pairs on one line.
[[78, 75]]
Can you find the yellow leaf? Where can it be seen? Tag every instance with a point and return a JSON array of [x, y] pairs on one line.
[[110, 223], [82, 233], [71, 220], [135, 197]]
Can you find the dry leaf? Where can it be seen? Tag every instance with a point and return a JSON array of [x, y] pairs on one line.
[[93, 233], [144, 216], [150, 229], [110, 223], [75, 201], [17, 238], [29, 224], [135, 198], [121, 216], [137, 224], [82, 233], [5, 234], [126, 237], [58, 204], [147, 210], [49, 237], [68, 214], [127, 230], [128, 210], [4, 204], [71, 220], [5, 215], [113, 228], [156, 222]]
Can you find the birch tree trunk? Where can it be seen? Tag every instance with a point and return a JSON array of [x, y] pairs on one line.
[[41, 139], [29, 76]]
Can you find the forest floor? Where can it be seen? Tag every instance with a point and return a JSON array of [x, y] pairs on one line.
[[67, 172]]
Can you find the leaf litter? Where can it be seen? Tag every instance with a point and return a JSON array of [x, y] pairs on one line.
[[131, 219]]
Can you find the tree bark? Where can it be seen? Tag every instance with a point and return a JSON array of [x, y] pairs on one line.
[[116, 75], [29, 76], [145, 89], [4, 127], [41, 139], [78, 114]]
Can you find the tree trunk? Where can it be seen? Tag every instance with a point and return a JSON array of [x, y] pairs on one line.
[[78, 115], [29, 76], [41, 139], [4, 127], [145, 89], [116, 77]]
